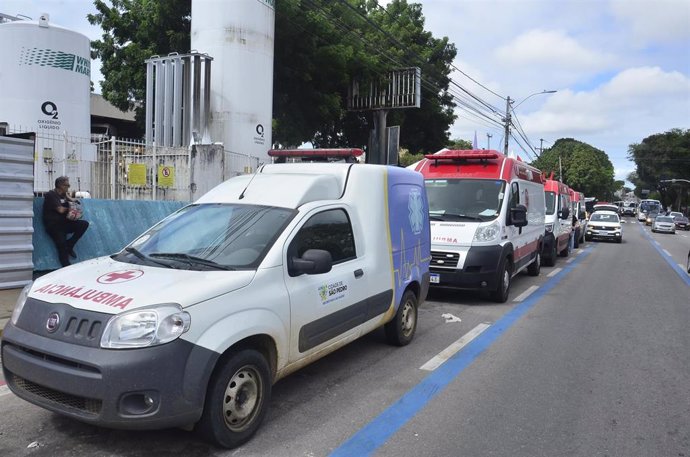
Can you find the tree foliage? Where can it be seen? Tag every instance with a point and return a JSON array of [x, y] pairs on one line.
[[663, 156], [133, 31], [584, 167], [319, 47]]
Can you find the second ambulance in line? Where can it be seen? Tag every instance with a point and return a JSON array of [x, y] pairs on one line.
[[487, 219]]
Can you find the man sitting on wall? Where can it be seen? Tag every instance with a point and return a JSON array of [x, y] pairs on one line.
[[56, 208]]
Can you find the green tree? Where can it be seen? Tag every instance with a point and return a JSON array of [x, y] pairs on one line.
[[459, 144], [584, 167], [663, 156], [320, 46], [133, 31]]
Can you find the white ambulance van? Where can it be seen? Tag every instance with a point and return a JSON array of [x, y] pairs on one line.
[[195, 320], [487, 219], [559, 224]]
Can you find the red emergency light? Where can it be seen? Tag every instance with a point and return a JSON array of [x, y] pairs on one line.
[[458, 155], [348, 154]]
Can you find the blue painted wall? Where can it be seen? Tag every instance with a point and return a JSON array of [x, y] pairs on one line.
[[112, 225]]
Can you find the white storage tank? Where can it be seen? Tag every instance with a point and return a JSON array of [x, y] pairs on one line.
[[45, 77], [239, 35]]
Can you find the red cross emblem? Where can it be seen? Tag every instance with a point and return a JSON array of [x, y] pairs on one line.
[[115, 277]]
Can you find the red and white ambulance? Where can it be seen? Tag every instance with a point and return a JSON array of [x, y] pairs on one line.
[[559, 225], [487, 219], [579, 212]]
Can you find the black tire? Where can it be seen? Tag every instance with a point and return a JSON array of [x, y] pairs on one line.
[[587, 238], [401, 329], [534, 267], [619, 240], [237, 399], [500, 295], [687, 265], [550, 260]]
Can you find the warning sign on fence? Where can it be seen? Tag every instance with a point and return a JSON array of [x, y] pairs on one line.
[[136, 174], [166, 176]]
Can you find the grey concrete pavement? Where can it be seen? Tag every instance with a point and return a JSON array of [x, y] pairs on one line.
[[8, 297]]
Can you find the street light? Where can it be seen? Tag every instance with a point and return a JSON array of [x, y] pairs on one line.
[[507, 119]]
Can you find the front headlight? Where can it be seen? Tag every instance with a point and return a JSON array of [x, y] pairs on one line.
[[145, 327], [19, 305], [488, 232]]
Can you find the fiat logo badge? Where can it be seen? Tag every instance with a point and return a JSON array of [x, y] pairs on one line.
[[53, 322]]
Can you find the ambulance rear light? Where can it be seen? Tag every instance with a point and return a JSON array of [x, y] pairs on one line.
[[347, 154], [463, 155]]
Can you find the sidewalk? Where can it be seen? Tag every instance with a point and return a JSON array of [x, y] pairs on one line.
[[8, 297]]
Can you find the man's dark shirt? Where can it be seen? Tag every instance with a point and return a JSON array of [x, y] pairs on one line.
[[50, 204]]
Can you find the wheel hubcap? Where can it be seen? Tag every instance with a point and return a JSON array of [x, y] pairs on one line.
[[408, 318], [506, 281], [242, 398]]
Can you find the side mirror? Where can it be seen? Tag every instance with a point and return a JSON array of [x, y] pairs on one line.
[[565, 212], [518, 216], [312, 262]]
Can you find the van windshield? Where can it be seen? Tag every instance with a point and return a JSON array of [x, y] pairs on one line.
[[210, 237], [550, 199], [465, 199]]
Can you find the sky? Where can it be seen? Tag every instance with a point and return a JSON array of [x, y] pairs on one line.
[[621, 68]]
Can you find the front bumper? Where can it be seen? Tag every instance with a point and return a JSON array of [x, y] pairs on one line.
[[603, 234], [68, 373], [479, 271]]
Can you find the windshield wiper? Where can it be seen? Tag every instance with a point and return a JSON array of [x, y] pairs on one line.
[[141, 256], [442, 217], [191, 259]]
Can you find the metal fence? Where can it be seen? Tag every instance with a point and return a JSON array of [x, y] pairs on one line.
[[127, 169]]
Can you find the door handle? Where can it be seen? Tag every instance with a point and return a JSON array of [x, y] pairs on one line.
[[359, 273]]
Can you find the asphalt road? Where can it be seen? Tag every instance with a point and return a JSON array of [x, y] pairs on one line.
[[593, 359]]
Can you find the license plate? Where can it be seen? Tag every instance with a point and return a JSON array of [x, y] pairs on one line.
[[435, 278]]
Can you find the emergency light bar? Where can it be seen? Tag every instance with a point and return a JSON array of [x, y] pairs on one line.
[[348, 154], [457, 154]]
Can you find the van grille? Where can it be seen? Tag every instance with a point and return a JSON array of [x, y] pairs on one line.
[[441, 259], [57, 399]]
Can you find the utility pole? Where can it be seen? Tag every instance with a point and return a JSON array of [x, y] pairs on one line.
[[507, 128], [541, 145], [488, 140]]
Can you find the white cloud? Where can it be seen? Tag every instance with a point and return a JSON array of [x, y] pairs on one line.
[[552, 49], [658, 21]]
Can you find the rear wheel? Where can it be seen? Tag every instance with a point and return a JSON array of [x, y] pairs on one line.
[[550, 259], [237, 399], [566, 251], [500, 295], [401, 329], [534, 267]]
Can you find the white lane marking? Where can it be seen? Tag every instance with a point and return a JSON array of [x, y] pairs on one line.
[[4, 390], [448, 352], [667, 253], [570, 260], [450, 318], [554, 272], [530, 290]]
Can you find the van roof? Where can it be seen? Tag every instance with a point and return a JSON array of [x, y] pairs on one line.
[[477, 164], [283, 185], [556, 186]]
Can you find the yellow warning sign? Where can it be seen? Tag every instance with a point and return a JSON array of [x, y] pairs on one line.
[[166, 176], [136, 174]]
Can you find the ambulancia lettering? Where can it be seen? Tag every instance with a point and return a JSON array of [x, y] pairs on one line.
[[94, 295]]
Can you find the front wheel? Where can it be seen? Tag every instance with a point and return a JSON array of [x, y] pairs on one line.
[[401, 329], [237, 399], [500, 295]]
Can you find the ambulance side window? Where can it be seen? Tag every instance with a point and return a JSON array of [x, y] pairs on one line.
[[514, 195], [513, 199], [329, 230]]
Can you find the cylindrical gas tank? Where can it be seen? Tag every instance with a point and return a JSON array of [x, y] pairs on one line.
[[239, 35], [45, 76]]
